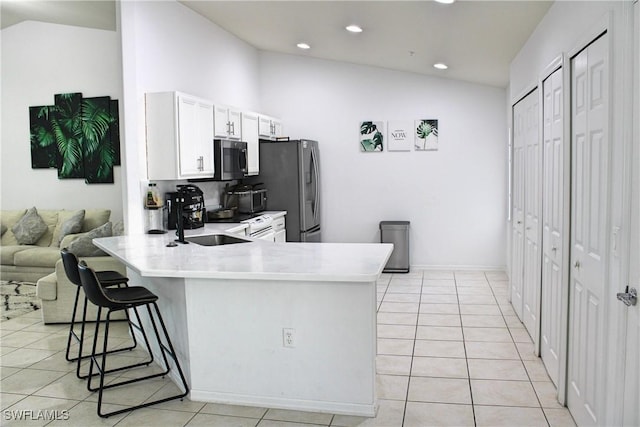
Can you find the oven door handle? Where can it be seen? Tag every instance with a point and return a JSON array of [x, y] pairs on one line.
[[263, 233]]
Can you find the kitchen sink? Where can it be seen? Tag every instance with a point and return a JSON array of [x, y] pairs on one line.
[[215, 240]]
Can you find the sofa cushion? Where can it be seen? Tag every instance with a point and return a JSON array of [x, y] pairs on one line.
[[66, 241], [8, 219], [29, 228], [69, 222], [37, 257], [94, 218], [83, 246], [7, 253]]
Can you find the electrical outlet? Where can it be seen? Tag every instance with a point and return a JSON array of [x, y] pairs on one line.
[[288, 337]]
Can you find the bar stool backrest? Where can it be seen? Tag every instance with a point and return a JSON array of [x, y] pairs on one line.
[[92, 287], [70, 262]]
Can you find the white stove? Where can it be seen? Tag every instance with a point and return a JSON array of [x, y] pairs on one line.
[[260, 227]]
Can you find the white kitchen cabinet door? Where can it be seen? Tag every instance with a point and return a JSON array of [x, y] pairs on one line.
[[279, 227], [195, 137], [250, 124], [277, 128], [179, 130], [270, 128], [280, 236], [227, 123]]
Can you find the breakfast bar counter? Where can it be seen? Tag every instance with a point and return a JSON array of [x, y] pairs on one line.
[[278, 325]]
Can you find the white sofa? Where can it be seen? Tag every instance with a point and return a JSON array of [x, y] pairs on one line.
[[41, 262], [58, 293]]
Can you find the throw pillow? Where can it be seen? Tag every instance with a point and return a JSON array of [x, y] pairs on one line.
[[29, 228], [83, 246], [118, 228], [72, 225], [3, 229]]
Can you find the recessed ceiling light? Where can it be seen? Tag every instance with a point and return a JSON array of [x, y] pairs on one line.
[[445, 1], [354, 29], [303, 46], [440, 66]]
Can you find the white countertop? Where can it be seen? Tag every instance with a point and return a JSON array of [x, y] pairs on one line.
[[256, 260]]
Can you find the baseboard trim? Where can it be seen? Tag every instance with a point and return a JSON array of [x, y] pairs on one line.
[[357, 409], [460, 267]]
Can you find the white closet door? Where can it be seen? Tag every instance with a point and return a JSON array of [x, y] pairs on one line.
[[631, 413], [517, 244], [532, 213], [589, 219], [553, 251]]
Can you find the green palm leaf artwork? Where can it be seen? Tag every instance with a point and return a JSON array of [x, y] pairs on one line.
[[44, 151], [67, 129], [371, 136], [79, 136], [426, 135]]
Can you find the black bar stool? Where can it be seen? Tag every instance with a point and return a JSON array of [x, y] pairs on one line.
[[116, 299], [106, 279]]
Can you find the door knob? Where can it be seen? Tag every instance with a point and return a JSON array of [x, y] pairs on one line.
[[577, 264], [629, 297]]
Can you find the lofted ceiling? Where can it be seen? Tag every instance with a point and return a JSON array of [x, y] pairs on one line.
[[476, 39], [93, 14]]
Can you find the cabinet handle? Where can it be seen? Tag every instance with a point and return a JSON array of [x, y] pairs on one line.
[[233, 128], [201, 163]]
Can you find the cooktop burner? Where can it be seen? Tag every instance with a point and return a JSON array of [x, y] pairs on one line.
[[235, 218]]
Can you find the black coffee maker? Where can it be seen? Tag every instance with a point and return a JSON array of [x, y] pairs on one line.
[[193, 211]]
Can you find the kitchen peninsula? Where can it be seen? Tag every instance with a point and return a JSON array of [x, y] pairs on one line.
[[279, 325]]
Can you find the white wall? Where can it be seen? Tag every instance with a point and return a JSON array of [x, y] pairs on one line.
[[168, 47], [38, 61], [455, 198], [562, 27]]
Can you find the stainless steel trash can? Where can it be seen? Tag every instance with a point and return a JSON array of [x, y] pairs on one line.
[[396, 232]]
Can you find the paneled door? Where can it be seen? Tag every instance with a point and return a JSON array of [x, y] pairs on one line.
[[553, 250], [517, 235], [589, 223], [532, 212], [631, 404]]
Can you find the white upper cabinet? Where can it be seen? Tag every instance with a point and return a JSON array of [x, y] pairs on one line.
[[179, 130], [270, 128], [250, 124], [227, 123]]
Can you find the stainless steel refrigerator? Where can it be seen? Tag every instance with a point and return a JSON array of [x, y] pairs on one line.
[[291, 174]]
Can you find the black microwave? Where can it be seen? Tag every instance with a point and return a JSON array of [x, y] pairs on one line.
[[229, 159]]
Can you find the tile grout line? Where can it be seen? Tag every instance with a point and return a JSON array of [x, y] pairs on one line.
[[413, 350], [521, 361], [466, 358]]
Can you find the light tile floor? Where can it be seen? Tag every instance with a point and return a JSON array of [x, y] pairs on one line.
[[451, 352]]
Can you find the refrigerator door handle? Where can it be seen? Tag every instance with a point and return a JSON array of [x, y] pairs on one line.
[[316, 200]]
